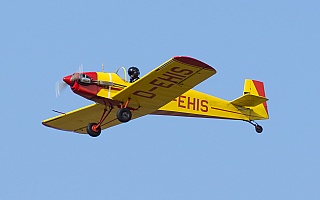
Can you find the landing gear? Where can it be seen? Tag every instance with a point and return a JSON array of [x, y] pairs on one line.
[[93, 129], [258, 128], [124, 115]]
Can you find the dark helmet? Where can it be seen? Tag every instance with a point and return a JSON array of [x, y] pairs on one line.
[[133, 71]]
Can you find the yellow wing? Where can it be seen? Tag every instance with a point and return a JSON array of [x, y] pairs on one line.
[[78, 120], [166, 82]]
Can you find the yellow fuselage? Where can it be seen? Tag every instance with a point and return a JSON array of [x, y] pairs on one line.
[[191, 104]]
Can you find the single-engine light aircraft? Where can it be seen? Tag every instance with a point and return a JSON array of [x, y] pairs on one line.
[[166, 90]]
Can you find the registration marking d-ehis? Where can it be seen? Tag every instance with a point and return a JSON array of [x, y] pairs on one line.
[[166, 80]]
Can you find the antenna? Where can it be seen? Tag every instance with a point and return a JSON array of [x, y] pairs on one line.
[[102, 67]]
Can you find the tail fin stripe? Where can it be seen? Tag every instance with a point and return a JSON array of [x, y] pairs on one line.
[[260, 88]]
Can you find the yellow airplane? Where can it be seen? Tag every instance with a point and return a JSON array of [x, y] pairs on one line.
[[166, 90]]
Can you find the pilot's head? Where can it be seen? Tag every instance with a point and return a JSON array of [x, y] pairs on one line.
[[133, 72]]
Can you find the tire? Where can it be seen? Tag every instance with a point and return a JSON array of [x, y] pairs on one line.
[[93, 132], [259, 129], [124, 115]]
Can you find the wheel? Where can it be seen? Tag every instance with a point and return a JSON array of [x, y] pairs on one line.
[[259, 129], [124, 115], [93, 130]]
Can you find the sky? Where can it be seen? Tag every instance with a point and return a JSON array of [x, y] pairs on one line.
[[158, 157]]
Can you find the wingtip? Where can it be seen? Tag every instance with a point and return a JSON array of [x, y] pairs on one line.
[[193, 61]]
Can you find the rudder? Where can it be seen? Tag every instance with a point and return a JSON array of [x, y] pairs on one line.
[[256, 88]]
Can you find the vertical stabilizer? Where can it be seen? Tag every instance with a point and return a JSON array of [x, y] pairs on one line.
[[256, 88]]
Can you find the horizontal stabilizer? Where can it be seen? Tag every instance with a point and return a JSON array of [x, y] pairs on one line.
[[249, 100]]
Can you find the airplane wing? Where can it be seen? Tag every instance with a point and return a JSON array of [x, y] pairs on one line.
[[77, 120], [166, 82]]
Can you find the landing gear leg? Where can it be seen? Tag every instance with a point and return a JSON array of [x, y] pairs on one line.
[[258, 128], [94, 129]]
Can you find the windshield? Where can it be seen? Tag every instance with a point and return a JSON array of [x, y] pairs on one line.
[[122, 70]]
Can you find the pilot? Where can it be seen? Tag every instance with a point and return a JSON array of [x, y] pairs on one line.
[[134, 74]]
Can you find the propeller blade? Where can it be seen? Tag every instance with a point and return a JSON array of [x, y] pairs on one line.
[[81, 69], [60, 86]]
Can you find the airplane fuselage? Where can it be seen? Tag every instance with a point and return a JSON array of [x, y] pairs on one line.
[[190, 104]]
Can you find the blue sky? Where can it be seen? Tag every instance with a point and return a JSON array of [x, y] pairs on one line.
[[158, 157]]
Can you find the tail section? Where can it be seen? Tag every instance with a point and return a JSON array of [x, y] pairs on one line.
[[257, 88], [254, 97]]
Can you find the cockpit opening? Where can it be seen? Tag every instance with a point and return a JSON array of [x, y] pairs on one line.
[[124, 73]]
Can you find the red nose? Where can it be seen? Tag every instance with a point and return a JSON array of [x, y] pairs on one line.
[[68, 81]]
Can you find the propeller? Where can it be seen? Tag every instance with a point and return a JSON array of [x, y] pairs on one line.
[[80, 77], [76, 76], [61, 85]]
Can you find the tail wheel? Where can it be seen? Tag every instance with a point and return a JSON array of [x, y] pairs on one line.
[[259, 129], [124, 115], [93, 130]]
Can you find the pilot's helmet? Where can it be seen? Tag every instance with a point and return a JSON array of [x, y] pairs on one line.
[[133, 71]]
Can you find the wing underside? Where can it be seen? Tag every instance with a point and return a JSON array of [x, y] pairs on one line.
[[78, 120]]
